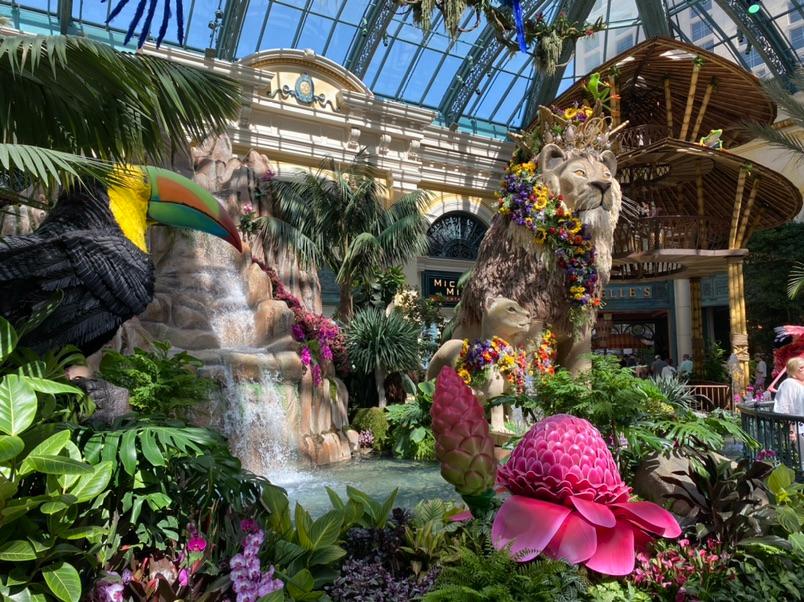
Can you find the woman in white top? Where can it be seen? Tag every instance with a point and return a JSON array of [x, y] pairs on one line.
[[790, 394], [790, 398]]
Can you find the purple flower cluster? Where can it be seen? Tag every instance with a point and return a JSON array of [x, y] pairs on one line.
[[108, 588], [249, 582], [321, 338], [767, 455]]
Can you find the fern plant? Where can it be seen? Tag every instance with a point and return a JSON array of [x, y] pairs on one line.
[[494, 576], [158, 382]]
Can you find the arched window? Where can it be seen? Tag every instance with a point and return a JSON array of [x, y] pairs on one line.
[[456, 235]]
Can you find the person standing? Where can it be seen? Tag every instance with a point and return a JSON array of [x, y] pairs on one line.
[[790, 399], [760, 373], [685, 367], [668, 371], [657, 366]]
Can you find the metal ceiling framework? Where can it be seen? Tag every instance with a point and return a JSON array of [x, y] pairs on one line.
[[760, 29], [764, 34], [543, 89], [375, 24], [478, 62]]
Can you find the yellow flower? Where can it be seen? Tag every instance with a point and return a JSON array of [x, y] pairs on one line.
[[540, 202], [576, 225], [588, 111], [540, 236], [464, 374], [570, 113]]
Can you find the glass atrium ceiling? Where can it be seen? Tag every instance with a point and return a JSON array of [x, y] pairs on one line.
[[473, 82]]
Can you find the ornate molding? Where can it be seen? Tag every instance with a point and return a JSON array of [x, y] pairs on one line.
[[304, 92]]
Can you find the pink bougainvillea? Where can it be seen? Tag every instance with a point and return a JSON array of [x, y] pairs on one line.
[[568, 501], [321, 338]]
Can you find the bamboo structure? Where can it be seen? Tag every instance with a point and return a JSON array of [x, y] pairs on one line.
[[738, 325], [740, 240], [697, 327], [690, 100], [738, 201], [614, 97], [710, 87], [668, 105]]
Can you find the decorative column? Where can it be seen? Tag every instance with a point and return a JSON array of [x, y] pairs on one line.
[[737, 323], [683, 314], [696, 314]]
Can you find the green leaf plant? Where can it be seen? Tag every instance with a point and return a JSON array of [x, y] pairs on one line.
[[307, 552], [47, 489]]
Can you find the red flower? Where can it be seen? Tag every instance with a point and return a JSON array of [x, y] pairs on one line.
[[570, 502]]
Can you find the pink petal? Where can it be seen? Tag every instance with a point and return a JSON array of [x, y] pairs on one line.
[[575, 542], [461, 517], [528, 524], [597, 514], [650, 517], [615, 551]]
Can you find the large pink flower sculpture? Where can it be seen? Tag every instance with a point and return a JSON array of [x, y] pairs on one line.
[[568, 501]]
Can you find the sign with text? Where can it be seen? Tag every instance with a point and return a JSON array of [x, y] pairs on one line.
[[442, 283], [628, 292]]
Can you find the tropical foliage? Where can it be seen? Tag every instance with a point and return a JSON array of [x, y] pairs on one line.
[[773, 254], [381, 344], [158, 382], [336, 218], [95, 105]]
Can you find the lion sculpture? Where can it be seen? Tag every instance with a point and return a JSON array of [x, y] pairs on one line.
[[511, 265]]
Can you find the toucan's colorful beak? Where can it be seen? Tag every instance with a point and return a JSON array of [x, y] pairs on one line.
[[177, 201]]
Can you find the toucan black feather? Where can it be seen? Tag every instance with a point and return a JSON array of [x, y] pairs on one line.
[[80, 250]]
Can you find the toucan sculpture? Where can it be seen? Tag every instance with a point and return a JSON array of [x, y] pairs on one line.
[[92, 247]]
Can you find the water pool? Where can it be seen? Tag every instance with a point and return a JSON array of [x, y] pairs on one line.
[[376, 477]]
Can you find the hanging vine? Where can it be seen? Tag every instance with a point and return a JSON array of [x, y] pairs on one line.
[[506, 18]]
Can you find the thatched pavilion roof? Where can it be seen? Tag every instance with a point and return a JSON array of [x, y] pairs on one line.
[[704, 204], [643, 70], [666, 172]]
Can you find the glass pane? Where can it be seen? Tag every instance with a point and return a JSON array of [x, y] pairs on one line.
[[441, 82], [198, 31], [420, 76], [252, 27], [315, 33], [341, 42], [393, 72], [281, 27]]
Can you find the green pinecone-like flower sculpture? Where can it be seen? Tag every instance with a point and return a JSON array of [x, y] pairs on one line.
[[463, 444]]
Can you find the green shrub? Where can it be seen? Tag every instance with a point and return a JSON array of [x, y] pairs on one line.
[[410, 425], [494, 576], [158, 383], [374, 420]]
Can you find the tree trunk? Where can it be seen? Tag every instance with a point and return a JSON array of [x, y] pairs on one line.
[[344, 311], [379, 379]]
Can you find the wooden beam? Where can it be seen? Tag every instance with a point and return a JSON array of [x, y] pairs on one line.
[[746, 217], [737, 324], [710, 87], [685, 124], [668, 105], [614, 96], [738, 201]]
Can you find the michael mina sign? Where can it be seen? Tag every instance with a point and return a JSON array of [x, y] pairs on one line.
[[444, 284]]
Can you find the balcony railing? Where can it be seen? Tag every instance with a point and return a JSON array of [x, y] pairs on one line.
[[669, 232], [640, 135], [780, 433]]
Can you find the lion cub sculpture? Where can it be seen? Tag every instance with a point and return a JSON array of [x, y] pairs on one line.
[[502, 318], [511, 265]]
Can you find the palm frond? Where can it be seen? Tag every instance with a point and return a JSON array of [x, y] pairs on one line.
[[95, 101], [403, 239], [276, 233], [777, 138], [49, 169], [796, 282], [376, 340]]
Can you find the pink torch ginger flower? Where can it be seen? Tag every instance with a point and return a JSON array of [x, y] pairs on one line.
[[569, 501]]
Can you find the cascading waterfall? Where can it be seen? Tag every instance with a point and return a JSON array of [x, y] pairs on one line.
[[257, 421], [258, 415], [232, 320]]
